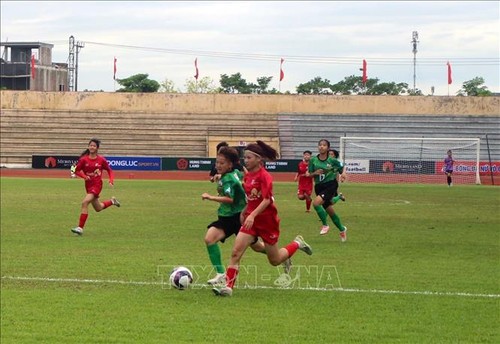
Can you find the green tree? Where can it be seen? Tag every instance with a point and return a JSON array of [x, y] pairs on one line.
[[234, 84], [315, 86], [263, 84], [138, 83], [204, 85], [168, 86], [474, 87]]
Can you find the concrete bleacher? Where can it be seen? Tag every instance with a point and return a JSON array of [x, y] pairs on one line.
[[37, 132], [301, 132]]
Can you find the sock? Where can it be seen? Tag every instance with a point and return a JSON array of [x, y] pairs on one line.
[[107, 204], [215, 257], [448, 180], [321, 213], [336, 221], [83, 219], [335, 199], [231, 275], [308, 204], [292, 248]]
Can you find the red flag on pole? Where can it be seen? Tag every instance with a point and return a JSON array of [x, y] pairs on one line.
[[196, 67], [114, 69], [365, 77], [282, 74], [33, 66], [449, 73]]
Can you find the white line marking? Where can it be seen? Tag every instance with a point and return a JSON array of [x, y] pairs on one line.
[[345, 290]]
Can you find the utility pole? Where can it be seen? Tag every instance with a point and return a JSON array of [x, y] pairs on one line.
[[79, 45], [414, 42]]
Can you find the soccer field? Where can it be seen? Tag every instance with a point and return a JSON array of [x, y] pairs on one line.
[[421, 265]]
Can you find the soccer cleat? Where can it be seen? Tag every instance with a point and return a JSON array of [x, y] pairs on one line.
[[224, 291], [77, 230], [341, 197], [303, 246], [324, 230], [287, 265], [343, 235], [218, 279], [115, 201]]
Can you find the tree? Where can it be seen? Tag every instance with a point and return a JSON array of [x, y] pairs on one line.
[[263, 84], [315, 86], [234, 84], [204, 85], [138, 83], [474, 88], [168, 86]]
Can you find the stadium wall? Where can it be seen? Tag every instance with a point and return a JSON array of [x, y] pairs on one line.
[[249, 104]]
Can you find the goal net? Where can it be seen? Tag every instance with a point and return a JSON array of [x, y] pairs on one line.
[[409, 160]]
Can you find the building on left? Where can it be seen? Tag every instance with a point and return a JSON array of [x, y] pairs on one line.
[[29, 66]]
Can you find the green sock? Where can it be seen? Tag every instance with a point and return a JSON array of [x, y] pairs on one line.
[[336, 221], [321, 213], [216, 258], [335, 199]]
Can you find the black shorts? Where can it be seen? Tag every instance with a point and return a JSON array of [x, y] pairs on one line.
[[327, 191], [229, 224]]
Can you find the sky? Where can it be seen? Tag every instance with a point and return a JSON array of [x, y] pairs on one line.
[[327, 39]]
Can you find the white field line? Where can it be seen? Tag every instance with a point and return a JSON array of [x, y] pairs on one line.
[[345, 290]]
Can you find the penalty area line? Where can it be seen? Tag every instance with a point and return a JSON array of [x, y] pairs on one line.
[[344, 290]]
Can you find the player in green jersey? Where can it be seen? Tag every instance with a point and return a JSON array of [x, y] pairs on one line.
[[341, 177], [231, 196], [324, 169]]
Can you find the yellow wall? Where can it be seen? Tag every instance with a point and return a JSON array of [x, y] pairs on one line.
[[251, 104]]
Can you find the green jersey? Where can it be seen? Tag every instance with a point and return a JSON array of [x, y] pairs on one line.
[[230, 185], [330, 166]]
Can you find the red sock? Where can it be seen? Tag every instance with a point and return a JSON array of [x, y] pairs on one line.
[[231, 275], [292, 248], [107, 204], [308, 204], [83, 219]]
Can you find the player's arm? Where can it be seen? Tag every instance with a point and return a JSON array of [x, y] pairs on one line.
[[220, 199], [79, 172], [248, 223], [111, 175]]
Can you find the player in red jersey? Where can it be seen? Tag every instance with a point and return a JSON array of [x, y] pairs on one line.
[[260, 217], [90, 167], [305, 183]]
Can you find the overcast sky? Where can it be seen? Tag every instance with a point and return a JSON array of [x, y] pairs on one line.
[[327, 39]]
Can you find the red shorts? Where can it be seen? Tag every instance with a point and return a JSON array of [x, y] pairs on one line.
[[305, 190], [94, 188], [266, 227]]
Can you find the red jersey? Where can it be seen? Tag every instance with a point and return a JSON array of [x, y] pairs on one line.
[[304, 182], [259, 186], [93, 168]]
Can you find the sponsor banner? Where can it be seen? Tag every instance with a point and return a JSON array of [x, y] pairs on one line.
[[469, 167], [134, 163], [402, 166], [283, 165], [205, 164], [187, 164], [357, 166], [53, 161]]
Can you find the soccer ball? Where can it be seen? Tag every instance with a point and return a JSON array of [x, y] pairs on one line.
[[181, 277]]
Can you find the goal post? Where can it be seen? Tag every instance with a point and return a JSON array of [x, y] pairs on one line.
[[409, 159]]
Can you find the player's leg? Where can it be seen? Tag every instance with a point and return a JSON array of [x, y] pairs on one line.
[[212, 237], [318, 207], [338, 223], [84, 213]]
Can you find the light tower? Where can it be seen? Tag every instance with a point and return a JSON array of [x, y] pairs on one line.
[[414, 43]]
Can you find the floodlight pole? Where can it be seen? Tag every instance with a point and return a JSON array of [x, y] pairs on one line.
[[414, 43]]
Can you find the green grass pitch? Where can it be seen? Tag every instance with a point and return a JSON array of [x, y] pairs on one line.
[[421, 265]]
